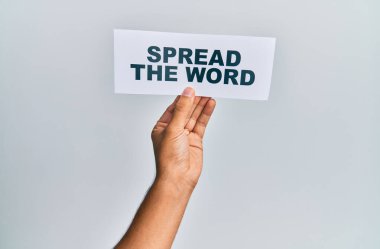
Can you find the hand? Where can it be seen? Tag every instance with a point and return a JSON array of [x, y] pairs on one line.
[[177, 139]]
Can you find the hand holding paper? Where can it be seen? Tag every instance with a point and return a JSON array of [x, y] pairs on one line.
[[177, 140]]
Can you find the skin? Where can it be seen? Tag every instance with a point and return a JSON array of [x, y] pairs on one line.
[[177, 142]]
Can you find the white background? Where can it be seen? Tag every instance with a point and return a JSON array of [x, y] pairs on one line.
[[299, 171]]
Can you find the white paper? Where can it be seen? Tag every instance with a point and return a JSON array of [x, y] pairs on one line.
[[144, 53]]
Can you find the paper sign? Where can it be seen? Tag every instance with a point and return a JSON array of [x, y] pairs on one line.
[[214, 65]]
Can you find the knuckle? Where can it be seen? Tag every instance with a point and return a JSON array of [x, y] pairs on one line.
[[154, 133]]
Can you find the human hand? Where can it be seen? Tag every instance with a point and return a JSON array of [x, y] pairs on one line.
[[177, 139]]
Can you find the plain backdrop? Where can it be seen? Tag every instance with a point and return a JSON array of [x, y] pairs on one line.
[[298, 171]]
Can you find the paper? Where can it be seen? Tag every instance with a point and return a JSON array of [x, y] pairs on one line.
[[224, 66]]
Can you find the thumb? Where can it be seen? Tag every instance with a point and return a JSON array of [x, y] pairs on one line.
[[182, 109]]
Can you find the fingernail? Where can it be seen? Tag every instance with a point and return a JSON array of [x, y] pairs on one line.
[[189, 92]]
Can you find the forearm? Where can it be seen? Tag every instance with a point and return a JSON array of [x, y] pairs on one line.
[[158, 218]]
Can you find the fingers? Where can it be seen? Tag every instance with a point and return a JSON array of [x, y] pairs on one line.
[[196, 113], [202, 121], [195, 104], [182, 110], [189, 112], [167, 115]]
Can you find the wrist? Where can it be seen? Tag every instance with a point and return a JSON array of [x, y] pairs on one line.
[[175, 189]]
